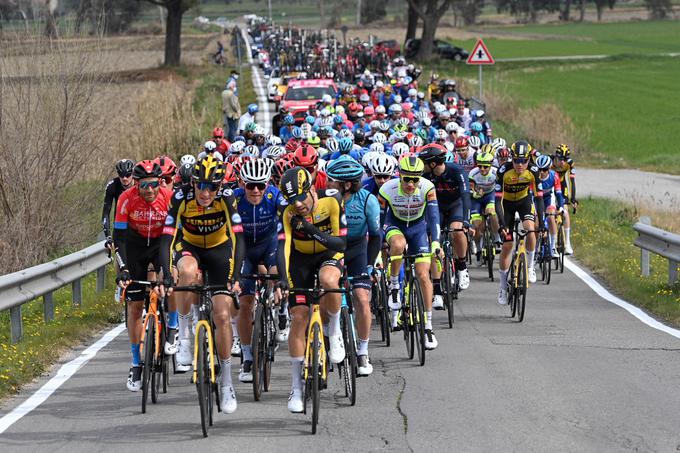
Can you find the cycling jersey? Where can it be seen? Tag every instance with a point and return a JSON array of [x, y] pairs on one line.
[[451, 186], [260, 221], [513, 186], [551, 184], [468, 163], [113, 191], [363, 215], [137, 215], [483, 184], [404, 210], [567, 179]]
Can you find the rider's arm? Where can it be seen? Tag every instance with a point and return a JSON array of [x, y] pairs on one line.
[[464, 193], [239, 245], [108, 202], [432, 214], [557, 187], [572, 177], [538, 197], [374, 233], [499, 196], [337, 243], [170, 231], [120, 225]]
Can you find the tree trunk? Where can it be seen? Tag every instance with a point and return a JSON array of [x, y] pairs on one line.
[[427, 38], [173, 33], [599, 9], [566, 11], [582, 10], [80, 15], [412, 23]]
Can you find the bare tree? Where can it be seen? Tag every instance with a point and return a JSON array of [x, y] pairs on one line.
[[173, 27], [431, 12]]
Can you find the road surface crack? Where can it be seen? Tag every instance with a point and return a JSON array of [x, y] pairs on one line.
[[402, 389]]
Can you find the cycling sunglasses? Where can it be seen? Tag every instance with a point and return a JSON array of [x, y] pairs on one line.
[[294, 199], [149, 184], [413, 179], [126, 175], [211, 186], [484, 166], [256, 185], [382, 177], [520, 161]]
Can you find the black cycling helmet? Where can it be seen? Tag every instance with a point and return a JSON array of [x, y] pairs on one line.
[[521, 150], [124, 168], [209, 169], [185, 172], [147, 169], [295, 184], [432, 152]]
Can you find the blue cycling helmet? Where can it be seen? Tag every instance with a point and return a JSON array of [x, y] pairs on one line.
[[310, 119], [354, 154], [337, 119], [344, 168], [476, 127], [544, 162], [332, 145], [239, 138], [450, 157], [345, 145], [297, 132], [288, 120], [252, 108]]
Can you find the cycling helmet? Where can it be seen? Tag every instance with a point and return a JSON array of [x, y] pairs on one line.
[[476, 127], [384, 126], [367, 158], [280, 167], [345, 145], [427, 121], [218, 132], [255, 171], [168, 167], [305, 129], [296, 132], [337, 119], [273, 140], [432, 152], [461, 143], [323, 132], [288, 120], [379, 137], [250, 127], [451, 127], [209, 146], [344, 168], [422, 133], [411, 166], [440, 134], [185, 171], [229, 174], [368, 111], [274, 152], [375, 124], [332, 145], [259, 130], [544, 162], [346, 133], [252, 108], [326, 98], [209, 169], [382, 164], [237, 147], [479, 114], [314, 140], [562, 150], [380, 109], [377, 147], [521, 150], [395, 108], [474, 142], [306, 156], [485, 156], [187, 159], [499, 143], [124, 167], [251, 150], [398, 136], [295, 184], [503, 153], [414, 142], [354, 108], [147, 169]]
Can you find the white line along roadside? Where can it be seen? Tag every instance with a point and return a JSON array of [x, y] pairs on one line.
[[65, 372], [609, 297], [262, 101]]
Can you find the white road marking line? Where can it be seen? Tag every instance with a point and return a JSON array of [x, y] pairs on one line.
[[64, 374], [609, 297], [262, 100]]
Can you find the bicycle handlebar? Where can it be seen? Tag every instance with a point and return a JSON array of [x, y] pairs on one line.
[[260, 276]]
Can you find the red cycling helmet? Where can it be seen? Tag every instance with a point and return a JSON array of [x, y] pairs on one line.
[[368, 111], [353, 107], [280, 168], [503, 153], [292, 145], [229, 173], [168, 167], [461, 143], [306, 156], [218, 132]]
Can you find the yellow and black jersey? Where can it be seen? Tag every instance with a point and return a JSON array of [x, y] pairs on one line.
[[513, 186], [567, 174], [328, 216]]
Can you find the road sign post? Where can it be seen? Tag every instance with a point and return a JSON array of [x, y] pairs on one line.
[[480, 56]]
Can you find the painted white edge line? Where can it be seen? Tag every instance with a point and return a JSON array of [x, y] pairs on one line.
[[262, 100], [65, 372], [609, 297]]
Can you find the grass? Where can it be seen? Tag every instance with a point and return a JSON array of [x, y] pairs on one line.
[[602, 236], [43, 343]]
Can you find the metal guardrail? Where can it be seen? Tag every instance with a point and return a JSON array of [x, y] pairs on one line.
[[659, 242], [42, 280]]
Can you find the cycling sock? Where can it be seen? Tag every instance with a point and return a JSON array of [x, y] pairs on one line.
[[461, 264], [172, 319], [283, 309], [194, 312], [504, 278], [530, 259], [362, 349], [296, 363], [184, 326], [553, 239], [437, 286], [225, 374], [567, 237], [136, 359], [428, 320], [395, 317], [333, 324], [234, 328], [325, 330], [247, 351]]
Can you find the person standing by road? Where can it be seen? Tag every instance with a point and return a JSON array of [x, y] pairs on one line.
[[232, 82], [231, 112]]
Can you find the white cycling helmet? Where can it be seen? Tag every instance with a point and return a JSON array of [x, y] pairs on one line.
[[450, 127], [375, 124], [427, 121], [368, 157], [377, 147], [474, 142], [382, 164], [274, 152], [499, 143], [395, 108], [399, 149], [332, 144], [209, 146], [380, 109], [415, 141], [441, 134], [256, 171], [379, 137], [252, 150], [237, 147], [187, 159], [274, 140]]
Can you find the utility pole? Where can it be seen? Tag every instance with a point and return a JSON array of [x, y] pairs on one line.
[[358, 12]]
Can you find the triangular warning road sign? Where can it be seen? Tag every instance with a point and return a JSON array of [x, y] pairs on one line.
[[480, 55]]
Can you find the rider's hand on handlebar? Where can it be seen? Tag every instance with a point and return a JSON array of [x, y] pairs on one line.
[[164, 288], [123, 278]]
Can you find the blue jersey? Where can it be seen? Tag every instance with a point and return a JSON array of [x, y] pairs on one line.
[[363, 215], [260, 222], [370, 186]]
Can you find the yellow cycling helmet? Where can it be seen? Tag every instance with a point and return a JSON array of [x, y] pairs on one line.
[[209, 169], [562, 150], [411, 166], [521, 150], [485, 156]]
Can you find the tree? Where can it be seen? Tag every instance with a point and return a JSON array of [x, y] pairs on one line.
[[372, 10], [107, 16], [412, 25], [50, 21], [601, 4], [659, 9], [173, 27], [430, 11], [528, 10], [468, 10]]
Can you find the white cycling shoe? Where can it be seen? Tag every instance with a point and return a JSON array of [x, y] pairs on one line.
[[295, 404], [185, 356], [555, 253], [336, 348], [532, 275], [568, 250], [236, 347], [430, 340], [394, 298], [503, 296], [364, 367], [171, 342], [134, 380], [228, 402], [463, 279], [438, 302]]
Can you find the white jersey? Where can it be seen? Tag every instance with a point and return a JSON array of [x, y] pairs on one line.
[[483, 184], [405, 207]]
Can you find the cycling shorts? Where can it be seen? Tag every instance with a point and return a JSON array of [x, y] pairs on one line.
[[262, 253], [525, 209], [479, 205], [550, 202], [356, 261], [303, 267], [416, 238], [453, 213], [216, 262], [139, 257]]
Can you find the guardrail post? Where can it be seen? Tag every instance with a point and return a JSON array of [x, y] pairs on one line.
[[77, 290], [48, 302], [101, 278], [644, 254], [15, 321], [672, 272]]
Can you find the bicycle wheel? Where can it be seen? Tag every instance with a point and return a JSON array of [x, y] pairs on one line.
[[407, 326], [448, 288], [384, 308], [560, 249], [203, 379], [375, 308], [511, 290], [419, 320], [149, 343], [314, 376], [490, 251], [521, 290], [258, 345], [165, 372], [548, 267], [349, 365], [270, 347]]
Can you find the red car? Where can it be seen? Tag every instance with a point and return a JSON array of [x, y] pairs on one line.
[[302, 94]]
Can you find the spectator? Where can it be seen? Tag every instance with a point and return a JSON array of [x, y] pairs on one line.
[[232, 82], [231, 112]]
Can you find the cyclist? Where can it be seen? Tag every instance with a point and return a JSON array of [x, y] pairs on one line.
[[140, 215], [482, 184], [381, 167], [259, 206], [453, 195], [247, 118], [564, 166], [113, 191], [552, 197], [408, 211], [308, 158], [516, 181], [363, 219], [212, 240], [465, 157], [221, 142], [311, 242]]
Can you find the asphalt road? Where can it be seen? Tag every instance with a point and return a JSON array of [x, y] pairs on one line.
[[579, 374]]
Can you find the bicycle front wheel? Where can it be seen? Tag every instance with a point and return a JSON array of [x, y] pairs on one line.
[[447, 288], [384, 308], [314, 378], [512, 300], [490, 251], [258, 345], [349, 365], [157, 371], [149, 343], [419, 320], [203, 383], [521, 290]]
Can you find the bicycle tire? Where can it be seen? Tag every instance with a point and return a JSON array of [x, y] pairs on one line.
[[203, 380], [348, 368], [166, 373], [419, 331], [511, 290], [560, 249], [384, 307], [490, 251], [258, 345], [375, 308], [548, 268], [448, 287], [521, 290], [270, 347], [407, 327], [149, 341], [157, 371], [315, 378]]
